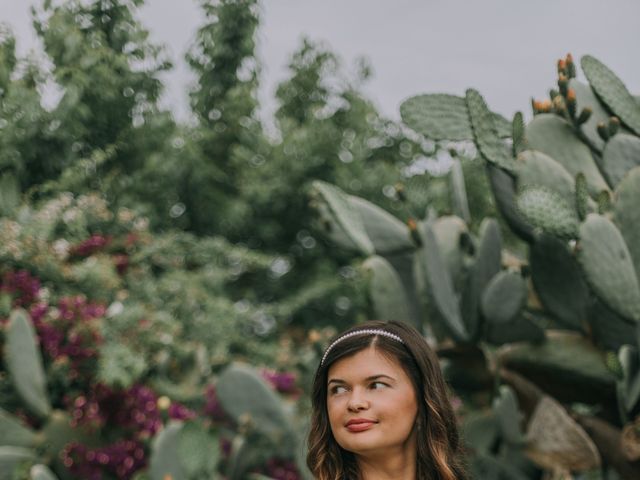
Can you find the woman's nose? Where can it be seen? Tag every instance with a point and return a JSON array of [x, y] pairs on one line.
[[358, 401]]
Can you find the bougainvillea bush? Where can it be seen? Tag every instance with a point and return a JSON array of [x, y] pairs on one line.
[[116, 348]]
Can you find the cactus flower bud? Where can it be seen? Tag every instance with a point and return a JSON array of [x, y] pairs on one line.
[[614, 126], [603, 131], [571, 67], [584, 116], [571, 102], [413, 231], [399, 187], [562, 66], [553, 93], [559, 105], [563, 84], [539, 106]]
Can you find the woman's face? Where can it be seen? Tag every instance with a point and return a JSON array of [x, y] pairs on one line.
[[371, 404]]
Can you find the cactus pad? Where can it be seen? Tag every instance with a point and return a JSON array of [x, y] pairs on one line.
[[504, 191], [582, 196], [608, 267], [612, 92], [517, 134], [552, 135], [12, 457], [459, 192], [443, 117], [629, 385], [620, 155], [24, 363], [387, 234], [345, 215], [487, 264], [627, 215], [548, 211], [438, 281], [558, 281], [165, 458], [386, 291], [506, 407], [12, 432], [538, 169], [585, 98], [245, 396], [485, 132], [41, 472], [503, 299]]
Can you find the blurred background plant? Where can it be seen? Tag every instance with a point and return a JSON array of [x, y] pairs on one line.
[[166, 289]]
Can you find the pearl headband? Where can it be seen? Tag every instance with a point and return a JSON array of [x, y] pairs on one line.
[[366, 331]]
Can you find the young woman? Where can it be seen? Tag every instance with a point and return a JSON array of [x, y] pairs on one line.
[[380, 409]]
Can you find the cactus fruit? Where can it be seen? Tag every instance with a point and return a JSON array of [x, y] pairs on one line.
[[608, 267], [24, 363]]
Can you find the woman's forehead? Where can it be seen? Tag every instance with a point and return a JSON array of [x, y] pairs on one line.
[[364, 364]]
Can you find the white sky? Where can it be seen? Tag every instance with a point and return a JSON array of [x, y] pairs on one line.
[[507, 49]]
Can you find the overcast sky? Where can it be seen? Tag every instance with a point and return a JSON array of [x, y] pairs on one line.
[[507, 49]]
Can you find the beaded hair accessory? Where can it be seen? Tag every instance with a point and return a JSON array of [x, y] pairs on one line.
[[366, 331]]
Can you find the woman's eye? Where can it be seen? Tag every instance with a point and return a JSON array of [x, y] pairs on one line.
[[337, 389], [378, 385]]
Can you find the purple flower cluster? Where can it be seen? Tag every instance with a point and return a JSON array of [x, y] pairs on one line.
[[22, 286], [284, 382], [121, 459], [212, 407], [177, 411], [91, 245], [70, 333], [280, 469]]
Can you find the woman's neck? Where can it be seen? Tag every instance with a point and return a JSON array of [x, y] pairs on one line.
[[397, 465]]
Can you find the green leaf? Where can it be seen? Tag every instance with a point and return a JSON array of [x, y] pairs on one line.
[[24, 363], [119, 366]]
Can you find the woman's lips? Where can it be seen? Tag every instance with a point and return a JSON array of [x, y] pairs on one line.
[[360, 426]]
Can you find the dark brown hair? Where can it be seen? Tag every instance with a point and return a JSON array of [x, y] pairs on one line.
[[439, 455]]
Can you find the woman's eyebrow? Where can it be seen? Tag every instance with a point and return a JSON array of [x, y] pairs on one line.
[[368, 379]]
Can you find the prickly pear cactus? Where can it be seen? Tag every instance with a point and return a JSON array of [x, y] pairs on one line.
[[562, 324]]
